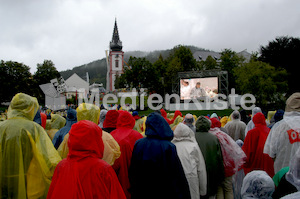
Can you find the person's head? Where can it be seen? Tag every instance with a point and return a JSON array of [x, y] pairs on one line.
[[23, 105], [111, 119], [236, 115], [85, 140], [256, 110], [278, 115], [259, 119], [185, 83], [215, 123], [103, 113], [202, 124], [125, 120], [71, 115], [57, 121], [89, 112], [293, 103], [198, 84], [157, 127], [189, 119], [257, 184]]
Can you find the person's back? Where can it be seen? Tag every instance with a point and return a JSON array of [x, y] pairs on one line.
[[236, 128], [27, 152], [211, 150], [191, 159], [283, 140], [83, 174], [254, 145], [126, 138], [155, 170]]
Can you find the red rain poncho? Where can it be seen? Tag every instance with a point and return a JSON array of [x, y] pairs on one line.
[[254, 146], [176, 114], [164, 114], [83, 174], [111, 119], [233, 155], [126, 138], [44, 119]]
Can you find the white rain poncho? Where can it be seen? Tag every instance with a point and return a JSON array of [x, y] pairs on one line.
[[191, 159], [293, 175], [257, 184], [236, 128], [284, 140], [250, 124]]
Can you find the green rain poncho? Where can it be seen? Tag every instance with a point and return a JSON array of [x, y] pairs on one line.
[[27, 157]]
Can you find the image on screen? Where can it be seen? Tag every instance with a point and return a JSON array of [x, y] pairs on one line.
[[198, 87]]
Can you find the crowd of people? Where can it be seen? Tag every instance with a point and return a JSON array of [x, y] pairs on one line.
[[92, 153]]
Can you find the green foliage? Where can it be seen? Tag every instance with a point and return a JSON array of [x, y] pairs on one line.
[[229, 61], [262, 80], [15, 77], [283, 52], [209, 64]]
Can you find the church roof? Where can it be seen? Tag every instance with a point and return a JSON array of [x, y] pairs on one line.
[[116, 44]]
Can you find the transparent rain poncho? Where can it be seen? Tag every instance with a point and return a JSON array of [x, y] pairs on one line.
[[236, 128], [257, 184], [57, 122], [28, 157]]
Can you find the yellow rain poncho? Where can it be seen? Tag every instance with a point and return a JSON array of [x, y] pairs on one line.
[[270, 116], [92, 113], [57, 122], [224, 121], [176, 122], [27, 157]]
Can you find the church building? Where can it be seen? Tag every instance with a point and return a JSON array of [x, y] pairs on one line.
[[115, 60]]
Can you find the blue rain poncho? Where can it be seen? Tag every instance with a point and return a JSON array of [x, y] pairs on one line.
[[27, 156], [156, 170], [59, 135]]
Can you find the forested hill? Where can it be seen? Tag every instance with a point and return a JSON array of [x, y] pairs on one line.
[[97, 69]]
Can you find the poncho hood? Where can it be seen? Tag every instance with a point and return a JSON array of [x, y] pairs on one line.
[[57, 121], [89, 112], [235, 116], [111, 119], [125, 120], [157, 127], [259, 119], [182, 132], [293, 103], [85, 140], [215, 123], [203, 124], [24, 106]]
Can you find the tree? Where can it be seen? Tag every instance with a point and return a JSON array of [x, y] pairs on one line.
[[15, 77], [283, 52], [262, 80], [45, 72], [181, 59], [229, 61], [140, 74]]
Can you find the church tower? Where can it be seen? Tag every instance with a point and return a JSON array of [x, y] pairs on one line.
[[115, 59]]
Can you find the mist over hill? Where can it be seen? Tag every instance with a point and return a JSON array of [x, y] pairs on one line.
[[97, 69]]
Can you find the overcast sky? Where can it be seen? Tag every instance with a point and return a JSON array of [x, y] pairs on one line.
[[76, 32]]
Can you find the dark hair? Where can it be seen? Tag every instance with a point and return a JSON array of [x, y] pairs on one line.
[[198, 83]]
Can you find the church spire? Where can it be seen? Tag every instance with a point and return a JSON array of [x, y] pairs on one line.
[[116, 44]]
